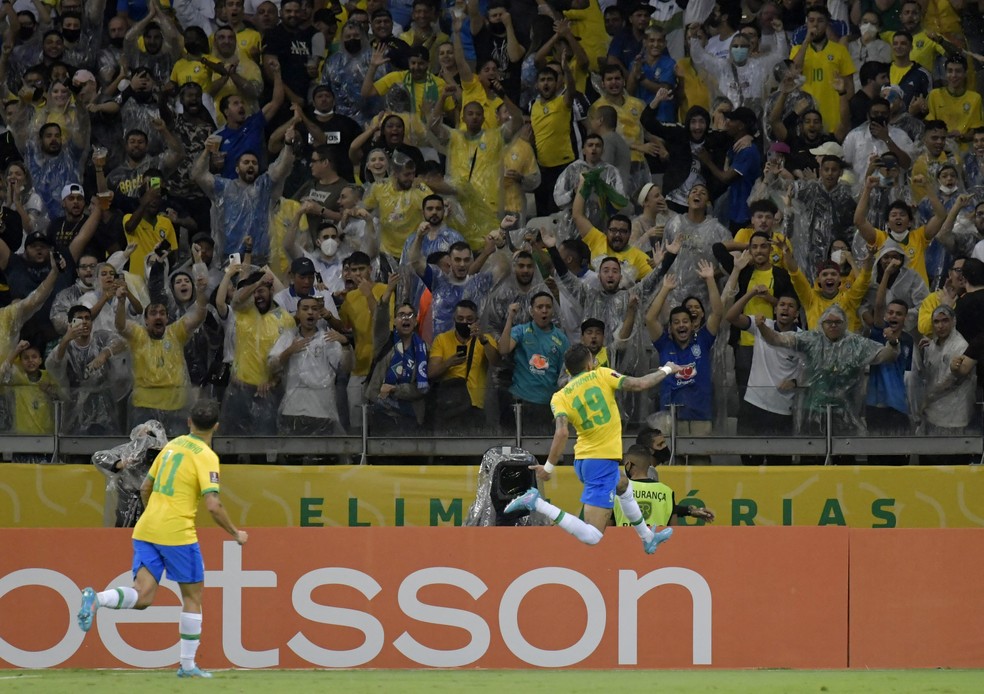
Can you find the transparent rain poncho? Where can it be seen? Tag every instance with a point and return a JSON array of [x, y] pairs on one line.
[[834, 376], [820, 216], [697, 239], [502, 475], [92, 392], [135, 458]]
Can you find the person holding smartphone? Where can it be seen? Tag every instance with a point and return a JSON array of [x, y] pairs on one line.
[[152, 231]]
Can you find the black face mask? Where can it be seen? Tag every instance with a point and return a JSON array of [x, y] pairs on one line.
[[116, 41], [463, 329], [662, 455], [25, 33], [71, 35], [353, 45]]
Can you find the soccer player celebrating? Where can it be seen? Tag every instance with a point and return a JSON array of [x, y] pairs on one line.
[[164, 538], [588, 402]]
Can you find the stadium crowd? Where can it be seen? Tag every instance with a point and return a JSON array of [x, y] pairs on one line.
[[305, 207]]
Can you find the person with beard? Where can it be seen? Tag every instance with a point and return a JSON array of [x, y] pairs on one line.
[[551, 116], [191, 127], [537, 350], [325, 184], [613, 243], [767, 403], [264, 15], [345, 71], [52, 162], [161, 44], [160, 376], [423, 86], [656, 500], [245, 202], [399, 202], [822, 61], [495, 38], [887, 410], [291, 43], [914, 242], [691, 389], [247, 134], [252, 397], [233, 71], [127, 180], [81, 366], [681, 166], [310, 359], [433, 234], [464, 355], [827, 291], [70, 296]]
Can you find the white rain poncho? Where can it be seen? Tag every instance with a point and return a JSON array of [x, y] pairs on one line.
[[906, 286], [135, 458], [697, 240], [820, 217], [93, 393], [742, 85], [834, 376]]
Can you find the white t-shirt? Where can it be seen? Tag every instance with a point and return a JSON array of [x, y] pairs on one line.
[[309, 381], [770, 367]]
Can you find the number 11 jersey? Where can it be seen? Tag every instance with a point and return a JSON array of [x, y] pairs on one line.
[[184, 471], [588, 402]]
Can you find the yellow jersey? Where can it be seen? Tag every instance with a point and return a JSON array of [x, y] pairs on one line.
[[598, 243], [694, 92], [183, 472], [477, 159], [588, 27], [961, 113], [552, 123], [256, 334], [400, 212], [629, 126], [191, 70], [518, 155], [34, 412], [914, 248], [814, 303], [446, 345], [160, 375], [588, 402], [354, 312], [147, 235], [472, 90], [819, 69]]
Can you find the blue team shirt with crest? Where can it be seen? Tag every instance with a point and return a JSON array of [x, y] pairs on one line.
[[690, 389]]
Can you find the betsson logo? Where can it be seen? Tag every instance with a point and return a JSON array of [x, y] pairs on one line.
[[232, 579]]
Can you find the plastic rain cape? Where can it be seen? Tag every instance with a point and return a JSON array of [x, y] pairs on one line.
[[834, 376], [482, 512], [123, 486]]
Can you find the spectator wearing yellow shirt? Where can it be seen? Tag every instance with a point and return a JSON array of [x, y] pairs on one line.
[[32, 388], [924, 49], [248, 40], [252, 398], [561, 45], [551, 116], [482, 88], [422, 85], [613, 243], [629, 110], [399, 202], [189, 67], [234, 73], [146, 227], [955, 104], [821, 62], [522, 173], [160, 376]]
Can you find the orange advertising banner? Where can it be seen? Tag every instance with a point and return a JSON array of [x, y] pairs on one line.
[[916, 598], [444, 597]]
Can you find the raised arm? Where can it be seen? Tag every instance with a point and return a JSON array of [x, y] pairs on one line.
[[272, 66], [653, 324], [377, 61], [650, 380], [199, 171], [581, 221], [865, 228], [35, 300], [706, 271], [786, 339], [196, 316], [506, 343]]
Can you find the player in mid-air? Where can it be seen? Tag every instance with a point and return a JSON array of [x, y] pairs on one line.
[[588, 402], [164, 538]]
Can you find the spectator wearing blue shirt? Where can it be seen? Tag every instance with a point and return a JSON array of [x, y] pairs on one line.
[[627, 45], [243, 134], [655, 71], [690, 389], [538, 349], [742, 167]]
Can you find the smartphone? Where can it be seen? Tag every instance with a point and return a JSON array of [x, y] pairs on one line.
[[461, 350], [155, 182], [163, 247], [235, 259], [76, 322]]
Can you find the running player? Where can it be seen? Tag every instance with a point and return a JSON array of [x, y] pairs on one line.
[[588, 402], [164, 538]]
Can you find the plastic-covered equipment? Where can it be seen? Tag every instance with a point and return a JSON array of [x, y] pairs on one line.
[[126, 466], [503, 475]]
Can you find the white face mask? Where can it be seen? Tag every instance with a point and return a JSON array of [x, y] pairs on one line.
[[948, 190], [329, 247], [868, 29]]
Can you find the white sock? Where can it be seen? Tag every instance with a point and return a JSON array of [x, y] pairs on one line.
[[122, 598], [588, 534], [190, 630], [633, 514]]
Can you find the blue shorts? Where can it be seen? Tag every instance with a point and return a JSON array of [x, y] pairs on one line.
[[599, 477], [183, 563]]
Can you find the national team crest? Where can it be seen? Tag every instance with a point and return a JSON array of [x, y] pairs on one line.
[[696, 351]]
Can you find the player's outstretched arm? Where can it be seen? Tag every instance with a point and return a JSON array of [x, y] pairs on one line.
[[650, 380], [221, 518], [544, 472]]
